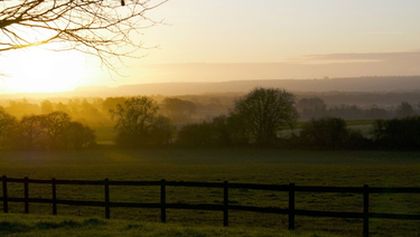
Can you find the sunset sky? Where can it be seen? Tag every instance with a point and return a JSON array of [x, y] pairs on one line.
[[278, 30], [218, 40]]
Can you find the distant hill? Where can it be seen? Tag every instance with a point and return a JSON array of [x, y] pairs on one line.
[[378, 85], [359, 84]]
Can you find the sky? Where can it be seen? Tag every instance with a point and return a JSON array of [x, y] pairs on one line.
[[222, 40], [276, 30]]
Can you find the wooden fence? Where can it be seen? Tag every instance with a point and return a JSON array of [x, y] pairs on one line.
[[163, 205]]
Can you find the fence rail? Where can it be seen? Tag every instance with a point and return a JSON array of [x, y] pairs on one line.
[[225, 207]]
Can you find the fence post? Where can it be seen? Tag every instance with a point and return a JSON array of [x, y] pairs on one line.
[[365, 210], [5, 197], [163, 201], [291, 206], [26, 194], [54, 196], [225, 203], [106, 195]]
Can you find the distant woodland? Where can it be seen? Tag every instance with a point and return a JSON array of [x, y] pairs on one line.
[[280, 119], [94, 111], [397, 87]]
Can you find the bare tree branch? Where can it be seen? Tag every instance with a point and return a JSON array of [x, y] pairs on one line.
[[103, 28]]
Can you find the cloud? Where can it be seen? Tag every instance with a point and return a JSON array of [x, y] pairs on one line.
[[310, 66], [382, 33], [413, 56]]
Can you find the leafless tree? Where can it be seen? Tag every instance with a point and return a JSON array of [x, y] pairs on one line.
[[104, 28]]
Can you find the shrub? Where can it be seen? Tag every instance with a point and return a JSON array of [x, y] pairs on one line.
[[220, 131], [331, 133], [397, 133]]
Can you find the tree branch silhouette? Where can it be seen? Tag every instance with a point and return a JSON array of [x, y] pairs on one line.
[[103, 28]]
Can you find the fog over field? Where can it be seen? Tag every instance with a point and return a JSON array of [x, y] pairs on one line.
[[351, 84], [404, 86]]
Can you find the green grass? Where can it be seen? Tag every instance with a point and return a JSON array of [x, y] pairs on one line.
[[44, 226], [343, 168]]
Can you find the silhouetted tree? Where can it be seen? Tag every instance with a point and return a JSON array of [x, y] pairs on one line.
[[20, 108], [78, 136], [55, 124], [179, 111], [32, 133], [60, 106], [110, 103], [46, 107], [161, 131], [8, 128], [377, 113], [404, 110], [53, 131], [136, 122], [351, 112], [263, 112]]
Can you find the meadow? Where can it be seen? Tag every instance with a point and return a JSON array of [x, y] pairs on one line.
[[340, 168], [44, 226]]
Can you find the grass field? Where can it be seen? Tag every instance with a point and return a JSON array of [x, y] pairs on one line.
[[44, 226], [236, 165]]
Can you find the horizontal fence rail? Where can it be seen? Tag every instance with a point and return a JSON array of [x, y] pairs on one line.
[[224, 207]]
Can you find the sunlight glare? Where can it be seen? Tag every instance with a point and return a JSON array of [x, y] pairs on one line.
[[39, 70]]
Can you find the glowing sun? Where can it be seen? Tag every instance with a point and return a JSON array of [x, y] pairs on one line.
[[41, 70]]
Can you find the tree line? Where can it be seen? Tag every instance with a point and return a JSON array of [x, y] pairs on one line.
[[263, 117], [182, 110], [95, 111], [50, 131], [314, 107]]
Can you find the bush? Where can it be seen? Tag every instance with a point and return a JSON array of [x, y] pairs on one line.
[[220, 131], [331, 133], [78, 136], [324, 133], [198, 134], [161, 131], [212, 133], [397, 133]]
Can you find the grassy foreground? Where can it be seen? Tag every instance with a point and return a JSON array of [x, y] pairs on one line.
[[47, 226], [340, 168]]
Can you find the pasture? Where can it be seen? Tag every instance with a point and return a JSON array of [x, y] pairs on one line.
[[339, 168], [20, 226]]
